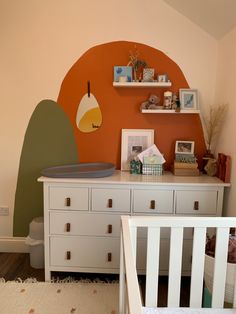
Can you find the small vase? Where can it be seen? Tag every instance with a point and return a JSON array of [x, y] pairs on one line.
[[205, 159]]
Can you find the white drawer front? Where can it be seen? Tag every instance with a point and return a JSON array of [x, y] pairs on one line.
[[153, 201], [77, 223], [84, 252], [72, 198], [111, 200], [196, 202]]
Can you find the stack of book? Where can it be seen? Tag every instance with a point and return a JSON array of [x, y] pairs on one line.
[[185, 165]]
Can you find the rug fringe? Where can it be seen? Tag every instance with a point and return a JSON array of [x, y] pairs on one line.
[[82, 280], [65, 280]]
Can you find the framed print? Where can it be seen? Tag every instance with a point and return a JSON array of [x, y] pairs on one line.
[[162, 78], [184, 147], [188, 99], [133, 142], [122, 73]]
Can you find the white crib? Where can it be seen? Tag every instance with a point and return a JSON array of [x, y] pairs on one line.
[[130, 298]]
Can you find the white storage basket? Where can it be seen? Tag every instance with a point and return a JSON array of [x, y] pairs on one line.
[[230, 277]]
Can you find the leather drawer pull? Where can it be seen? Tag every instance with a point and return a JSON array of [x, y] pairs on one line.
[[68, 255], [196, 205], [109, 203], [68, 201], [109, 257], [152, 204], [109, 228], [67, 227]]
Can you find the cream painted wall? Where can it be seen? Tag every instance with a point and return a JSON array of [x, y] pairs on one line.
[[225, 93], [41, 40]]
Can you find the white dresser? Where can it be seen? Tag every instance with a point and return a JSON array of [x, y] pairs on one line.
[[82, 216]]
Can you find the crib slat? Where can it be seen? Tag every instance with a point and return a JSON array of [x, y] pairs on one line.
[[175, 263], [197, 267], [122, 287], [134, 241], [153, 247], [218, 290]]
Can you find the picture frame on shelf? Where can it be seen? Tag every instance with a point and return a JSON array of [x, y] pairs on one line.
[[123, 73], [188, 99], [133, 142], [162, 78], [184, 147], [148, 74]]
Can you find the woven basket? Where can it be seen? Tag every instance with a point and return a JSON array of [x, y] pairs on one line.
[[230, 277], [152, 169]]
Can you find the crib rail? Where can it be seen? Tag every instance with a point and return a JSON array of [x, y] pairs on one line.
[[128, 273]]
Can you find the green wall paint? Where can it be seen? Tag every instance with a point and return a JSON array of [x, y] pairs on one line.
[[49, 141]]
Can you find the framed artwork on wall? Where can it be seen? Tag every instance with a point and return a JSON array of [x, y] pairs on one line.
[[184, 147], [188, 99], [133, 142]]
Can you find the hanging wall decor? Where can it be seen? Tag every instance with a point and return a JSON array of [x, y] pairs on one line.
[[89, 116]]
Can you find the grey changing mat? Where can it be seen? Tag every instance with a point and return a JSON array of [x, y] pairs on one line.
[[81, 170]]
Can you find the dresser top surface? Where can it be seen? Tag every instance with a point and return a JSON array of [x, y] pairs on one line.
[[124, 177]]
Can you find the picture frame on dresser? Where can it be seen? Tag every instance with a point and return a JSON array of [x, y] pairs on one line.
[[188, 99], [184, 147], [133, 142]]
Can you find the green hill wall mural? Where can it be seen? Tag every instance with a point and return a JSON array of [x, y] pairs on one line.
[[49, 141]]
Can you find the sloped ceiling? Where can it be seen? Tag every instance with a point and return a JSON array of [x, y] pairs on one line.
[[216, 17]]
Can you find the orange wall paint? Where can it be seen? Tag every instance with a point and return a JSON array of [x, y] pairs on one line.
[[120, 107]]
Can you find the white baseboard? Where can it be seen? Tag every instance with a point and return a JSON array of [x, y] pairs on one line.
[[13, 245]]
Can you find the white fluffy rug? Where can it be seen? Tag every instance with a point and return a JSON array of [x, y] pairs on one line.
[[58, 298]]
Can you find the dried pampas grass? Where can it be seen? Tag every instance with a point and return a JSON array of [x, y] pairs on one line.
[[213, 123]]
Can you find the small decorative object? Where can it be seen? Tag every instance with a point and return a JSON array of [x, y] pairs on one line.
[[151, 103], [162, 78], [122, 79], [135, 166], [185, 163], [211, 167], [89, 114], [184, 147], [133, 142], [122, 72], [151, 152], [148, 75], [188, 99], [136, 63], [152, 161], [212, 124], [156, 169], [224, 167], [167, 100]]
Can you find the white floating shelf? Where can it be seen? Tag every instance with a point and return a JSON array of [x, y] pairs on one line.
[[169, 111], [142, 84]]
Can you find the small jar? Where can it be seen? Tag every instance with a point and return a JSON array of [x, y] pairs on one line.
[[167, 100]]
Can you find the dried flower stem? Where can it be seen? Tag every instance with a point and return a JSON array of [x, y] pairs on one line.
[[213, 123]]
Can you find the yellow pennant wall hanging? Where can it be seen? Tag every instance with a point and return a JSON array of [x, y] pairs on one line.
[[89, 115]]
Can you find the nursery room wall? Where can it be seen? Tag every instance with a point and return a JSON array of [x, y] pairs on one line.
[[41, 40], [225, 94]]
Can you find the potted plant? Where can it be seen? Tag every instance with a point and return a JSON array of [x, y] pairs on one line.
[[137, 64]]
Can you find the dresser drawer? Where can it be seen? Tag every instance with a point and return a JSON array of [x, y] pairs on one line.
[[77, 223], [73, 198], [84, 252], [153, 201], [111, 200], [196, 202]]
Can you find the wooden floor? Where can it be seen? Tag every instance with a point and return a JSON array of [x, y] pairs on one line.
[[17, 265]]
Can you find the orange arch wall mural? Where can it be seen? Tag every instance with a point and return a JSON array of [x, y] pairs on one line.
[[120, 107]]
